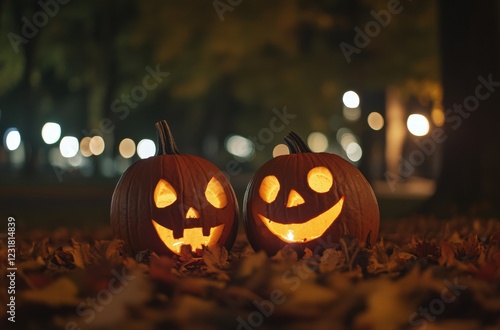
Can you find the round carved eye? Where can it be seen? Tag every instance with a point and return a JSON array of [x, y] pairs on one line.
[[269, 188], [164, 194], [215, 193], [320, 179]]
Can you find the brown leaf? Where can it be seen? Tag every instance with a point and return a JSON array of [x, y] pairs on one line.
[[447, 257], [495, 239], [161, 269], [286, 254], [331, 260], [81, 258], [252, 265], [114, 249], [308, 253], [186, 253], [144, 256], [62, 258], [403, 257], [215, 258], [427, 250], [471, 248], [25, 249], [43, 249]]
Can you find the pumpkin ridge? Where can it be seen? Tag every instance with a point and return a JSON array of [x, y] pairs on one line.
[[134, 208], [130, 201], [358, 216], [178, 227], [148, 191], [195, 162]]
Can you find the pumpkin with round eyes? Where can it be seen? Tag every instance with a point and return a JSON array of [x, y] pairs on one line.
[[170, 200], [308, 200]]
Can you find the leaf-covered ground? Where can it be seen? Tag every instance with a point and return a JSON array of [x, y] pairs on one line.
[[421, 274]]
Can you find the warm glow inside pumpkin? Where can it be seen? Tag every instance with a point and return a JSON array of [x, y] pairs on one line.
[[165, 195], [320, 180], [172, 200], [305, 199], [192, 236]]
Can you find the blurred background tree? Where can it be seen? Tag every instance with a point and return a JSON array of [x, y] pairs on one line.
[[267, 55], [225, 76], [471, 161]]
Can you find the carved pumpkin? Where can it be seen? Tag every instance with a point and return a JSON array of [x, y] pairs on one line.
[[170, 200], [308, 199]]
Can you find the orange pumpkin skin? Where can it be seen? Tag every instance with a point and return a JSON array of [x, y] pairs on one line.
[[133, 206], [347, 200]]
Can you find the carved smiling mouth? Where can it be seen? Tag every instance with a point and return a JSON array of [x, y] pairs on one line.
[[307, 231], [192, 236]]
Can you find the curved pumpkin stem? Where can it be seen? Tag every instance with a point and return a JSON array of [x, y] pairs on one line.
[[166, 139], [296, 144]]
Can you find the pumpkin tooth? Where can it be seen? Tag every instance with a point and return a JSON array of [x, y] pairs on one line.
[[191, 236]]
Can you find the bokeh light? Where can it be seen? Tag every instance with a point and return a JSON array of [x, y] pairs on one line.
[[76, 160], [438, 117], [146, 148], [68, 146], [351, 114], [97, 145], [417, 124], [375, 121], [51, 132], [350, 99], [354, 152], [85, 147], [240, 146], [280, 150], [127, 148], [317, 141], [12, 139], [346, 138]]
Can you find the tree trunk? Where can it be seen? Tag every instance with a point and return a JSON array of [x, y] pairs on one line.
[[469, 179], [28, 97]]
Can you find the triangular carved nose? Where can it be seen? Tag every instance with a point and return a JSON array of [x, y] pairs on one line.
[[192, 214], [294, 199]]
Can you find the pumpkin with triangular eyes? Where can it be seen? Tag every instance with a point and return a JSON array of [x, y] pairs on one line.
[[308, 200], [172, 200]]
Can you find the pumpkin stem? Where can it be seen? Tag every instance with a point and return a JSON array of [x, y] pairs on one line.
[[166, 139], [296, 144]]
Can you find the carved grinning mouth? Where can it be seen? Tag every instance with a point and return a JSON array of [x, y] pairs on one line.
[[192, 236], [307, 231]]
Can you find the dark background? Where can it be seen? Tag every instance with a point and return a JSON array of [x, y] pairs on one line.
[[229, 64]]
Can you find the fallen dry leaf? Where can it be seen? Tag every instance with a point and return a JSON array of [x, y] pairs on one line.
[[349, 286]]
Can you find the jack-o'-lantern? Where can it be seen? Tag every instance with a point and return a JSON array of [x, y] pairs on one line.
[[308, 200], [164, 202]]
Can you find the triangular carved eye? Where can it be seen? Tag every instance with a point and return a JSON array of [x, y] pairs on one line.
[[215, 194], [164, 194]]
